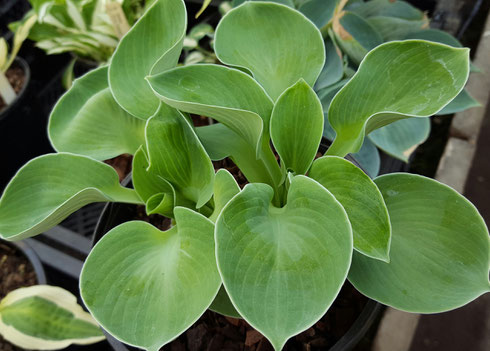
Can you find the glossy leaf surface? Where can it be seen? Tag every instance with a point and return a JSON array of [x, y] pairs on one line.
[[416, 79], [50, 187], [297, 127], [153, 45], [159, 283], [362, 201], [283, 267], [280, 47], [44, 317], [439, 250]]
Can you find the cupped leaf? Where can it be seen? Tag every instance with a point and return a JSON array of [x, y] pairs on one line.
[[439, 36], [401, 138], [176, 154], [160, 283], [50, 187], [225, 187], [153, 45], [355, 35], [44, 317], [400, 79], [225, 94], [283, 267], [297, 127], [460, 103], [362, 201], [280, 47], [440, 249], [88, 121]]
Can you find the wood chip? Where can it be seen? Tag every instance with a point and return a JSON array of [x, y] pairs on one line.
[[253, 337]]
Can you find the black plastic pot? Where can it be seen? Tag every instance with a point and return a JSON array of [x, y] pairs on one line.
[[23, 133], [32, 257], [10, 11]]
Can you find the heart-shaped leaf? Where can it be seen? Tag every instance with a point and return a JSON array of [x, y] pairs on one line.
[[161, 282], [176, 154], [297, 127], [411, 78], [50, 187], [283, 267], [439, 250], [401, 138], [153, 45], [225, 94], [44, 317], [362, 201], [88, 121], [280, 47]]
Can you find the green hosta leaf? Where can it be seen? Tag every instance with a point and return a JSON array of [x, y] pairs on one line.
[[88, 121], [50, 187], [289, 3], [396, 80], [319, 12], [223, 305], [153, 45], [297, 126], [435, 35], [176, 155], [333, 70], [44, 317], [161, 282], [401, 138], [280, 47], [225, 187], [227, 95], [283, 267], [362, 201], [392, 28], [355, 36], [368, 158], [460, 103], [389, 8], [439, 250], [220, 142]]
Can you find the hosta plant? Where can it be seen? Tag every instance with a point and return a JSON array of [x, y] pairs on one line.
[[350, 30], [44, 317], [276, 252]]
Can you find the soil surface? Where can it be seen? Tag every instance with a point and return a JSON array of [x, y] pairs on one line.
[[122, 164], [16, 77], [15, 272], [214, 332]]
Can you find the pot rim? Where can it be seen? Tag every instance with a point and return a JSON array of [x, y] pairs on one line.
[[27, 73], [33, 259]]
